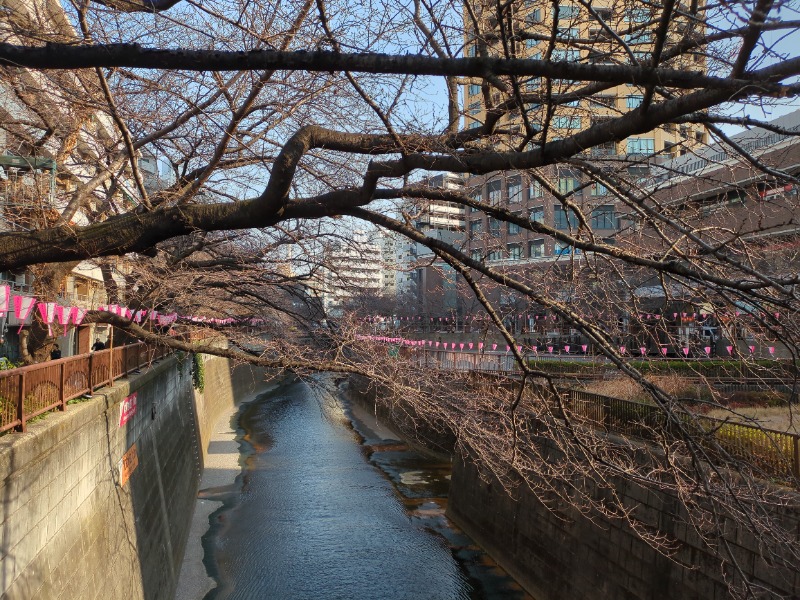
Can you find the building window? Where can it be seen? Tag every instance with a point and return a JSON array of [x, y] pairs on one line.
[[513, 228], [564, 218], [603, 217], [534, 189], [537, 214], [474, 89], [476, 195], [495, 255], [567, 185], [494, 227], [533, 84], [564, 249], [598, 189], [536, 248], [494, 192], [514, 251], [476, 254], [475, 108], [533, 17], [637, 15], [514, 189], [472, 51], [641, 145], [566, 12], [567, 122], [475, 227], [641, 56], [474, 125], [634, 101], [565, 55], [568, 32]]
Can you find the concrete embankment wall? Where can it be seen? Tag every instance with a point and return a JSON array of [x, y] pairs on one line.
[[71, 528], [557, 554]]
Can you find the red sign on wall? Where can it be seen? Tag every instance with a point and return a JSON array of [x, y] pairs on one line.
[[127, 409], [127, 465]]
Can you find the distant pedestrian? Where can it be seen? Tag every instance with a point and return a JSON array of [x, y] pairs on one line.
[[98, 345], [55, 353]]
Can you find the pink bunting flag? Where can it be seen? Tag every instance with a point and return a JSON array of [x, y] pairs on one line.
[[494, 346], [5, 296], [47, 310], [707, 350], [643, 350], [771, 349], [730, 349], [566, 349], [62, 314], [752, 349], [584, 347], [664, 351], [685, 351]]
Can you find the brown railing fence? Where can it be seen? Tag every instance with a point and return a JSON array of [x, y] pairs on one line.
[[28, 392]]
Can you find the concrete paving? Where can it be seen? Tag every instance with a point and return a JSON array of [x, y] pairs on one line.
[[221, 468]]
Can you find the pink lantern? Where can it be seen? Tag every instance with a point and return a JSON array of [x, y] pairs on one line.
[[480, 345], [550, 349], [643, 350], [584, 347], [76, 315], [519, 348], [5, 296], [47, 310], [494, 346], [62, 314], [566, 349], [461, 346], [430, 343], [752, 349], [23, 305], [508, 348], [664, 351], [685, 351], [771, 349], [674, 315], [622, 349], [470, 345], [707, 350], [437, 344], [730, 349], [453, 346], [535, 349]]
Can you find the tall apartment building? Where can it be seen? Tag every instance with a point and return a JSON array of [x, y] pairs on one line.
[[582, 36], [437, 219]]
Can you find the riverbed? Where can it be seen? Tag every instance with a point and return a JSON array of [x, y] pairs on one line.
[[332, 504]]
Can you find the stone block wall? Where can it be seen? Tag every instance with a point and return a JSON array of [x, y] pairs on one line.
[[70, 528], [557, 554]]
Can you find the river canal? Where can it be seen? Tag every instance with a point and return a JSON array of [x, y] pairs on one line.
[[330, 505]]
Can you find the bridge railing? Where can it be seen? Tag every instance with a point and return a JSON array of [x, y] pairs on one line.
[[27, 392]]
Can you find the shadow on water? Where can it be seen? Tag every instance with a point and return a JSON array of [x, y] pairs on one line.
[[310, 518]]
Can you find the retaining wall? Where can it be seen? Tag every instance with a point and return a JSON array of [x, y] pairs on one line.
[[557, 554], [71, 528]]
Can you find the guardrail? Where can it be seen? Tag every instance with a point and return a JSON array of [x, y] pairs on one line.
[[775, 453], [28, 392]]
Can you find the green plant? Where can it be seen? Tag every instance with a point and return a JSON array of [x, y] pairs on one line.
[[198, 373]]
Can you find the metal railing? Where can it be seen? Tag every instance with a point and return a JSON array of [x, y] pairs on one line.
[[27, 392], [774, 453]]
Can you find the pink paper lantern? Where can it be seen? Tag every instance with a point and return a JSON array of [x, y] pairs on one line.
[[550, 349], [461, 346], [707, 350], [643, 351], [771, 349], [730, 349], [664, 351], [584, 348], [5, 297], [480, 345], [622, 349], [752, 349], [566, 349], [470, 345], [685, 351], [494, 346]]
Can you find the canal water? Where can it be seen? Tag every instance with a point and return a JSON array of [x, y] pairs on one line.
[[331, 505]]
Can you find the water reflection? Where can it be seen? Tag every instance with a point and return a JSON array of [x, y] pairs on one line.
[[314, 519]]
